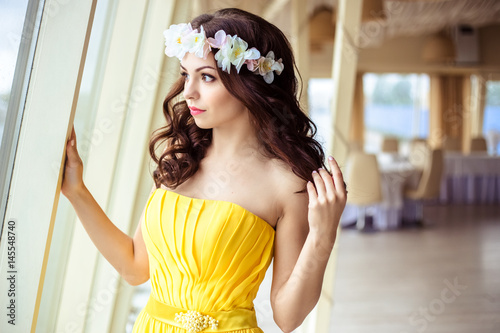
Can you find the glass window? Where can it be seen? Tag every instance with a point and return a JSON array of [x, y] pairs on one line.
[[320, 98], [12, 17], [396, 105], [491, 122], [83, 122]]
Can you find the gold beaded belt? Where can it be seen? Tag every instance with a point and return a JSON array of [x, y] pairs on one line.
[[194, 321]]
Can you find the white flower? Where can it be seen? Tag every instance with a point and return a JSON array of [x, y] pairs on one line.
[[224, 54], [233, 50], [240, 53], [196, 43], [181, 38], [175, 39]]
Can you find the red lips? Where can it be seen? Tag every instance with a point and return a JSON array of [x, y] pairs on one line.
[[195, 111], [192, 108]]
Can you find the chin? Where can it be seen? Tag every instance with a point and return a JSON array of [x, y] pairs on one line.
[[203, 124]]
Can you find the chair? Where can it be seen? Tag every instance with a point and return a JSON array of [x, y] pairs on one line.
[[419, 153], [478, 144], [390, 145], [452, 145], [415, 140], [493, 140], [429, 184], [364, 186]]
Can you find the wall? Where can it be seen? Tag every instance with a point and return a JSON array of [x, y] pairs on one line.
[[403, 54]]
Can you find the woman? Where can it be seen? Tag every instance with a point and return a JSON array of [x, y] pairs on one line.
[[241, 180]]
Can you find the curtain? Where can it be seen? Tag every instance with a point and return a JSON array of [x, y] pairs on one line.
[[478, 103], [467, 115], [449, 109], [357, 128]]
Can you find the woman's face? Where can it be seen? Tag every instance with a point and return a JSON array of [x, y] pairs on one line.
[[210, 103]]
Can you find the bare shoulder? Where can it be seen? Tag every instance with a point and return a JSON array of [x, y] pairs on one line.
[[287, 185]]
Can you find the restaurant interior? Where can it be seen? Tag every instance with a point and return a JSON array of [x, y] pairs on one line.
[[405, 95]]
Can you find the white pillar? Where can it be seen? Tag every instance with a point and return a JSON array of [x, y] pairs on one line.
[[345, 59]]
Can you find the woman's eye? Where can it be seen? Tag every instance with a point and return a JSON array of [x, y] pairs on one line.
[[204, 77], [207, 78]]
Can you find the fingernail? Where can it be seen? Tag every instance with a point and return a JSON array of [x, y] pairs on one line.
[[315, 171], [72, 142], [330, 158]]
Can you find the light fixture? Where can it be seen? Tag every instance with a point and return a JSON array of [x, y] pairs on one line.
[[321, 28], [373, 10], [438, 48]]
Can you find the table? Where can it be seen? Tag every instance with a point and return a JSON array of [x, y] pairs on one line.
[[473, 178], [396, 173]]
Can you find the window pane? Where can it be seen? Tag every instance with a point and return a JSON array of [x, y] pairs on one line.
[[12, 16], [491, 123], [320, 98], [83, 123], [395, 105]]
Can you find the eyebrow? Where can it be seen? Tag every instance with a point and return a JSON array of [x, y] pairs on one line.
[[199, 69]]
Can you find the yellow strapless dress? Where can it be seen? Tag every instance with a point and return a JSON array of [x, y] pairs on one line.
[[207, 259]]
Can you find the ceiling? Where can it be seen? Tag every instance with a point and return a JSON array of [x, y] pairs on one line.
[[402, 17], [410, 18], [422, 17]]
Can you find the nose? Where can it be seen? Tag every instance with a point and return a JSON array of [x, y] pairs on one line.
[[190, 90]]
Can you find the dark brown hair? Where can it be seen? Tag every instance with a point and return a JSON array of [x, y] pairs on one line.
[[284, 130]]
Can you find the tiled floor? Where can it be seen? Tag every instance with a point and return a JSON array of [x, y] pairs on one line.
[[441, 278]]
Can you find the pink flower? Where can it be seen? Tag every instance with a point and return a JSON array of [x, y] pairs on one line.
[[218, 41]]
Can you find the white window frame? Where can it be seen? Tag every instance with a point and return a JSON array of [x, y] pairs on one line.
[[33, 191]]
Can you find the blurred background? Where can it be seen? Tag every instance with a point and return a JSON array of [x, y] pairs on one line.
[[405, 95]]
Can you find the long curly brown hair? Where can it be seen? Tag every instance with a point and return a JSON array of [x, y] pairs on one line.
[[284, 130]]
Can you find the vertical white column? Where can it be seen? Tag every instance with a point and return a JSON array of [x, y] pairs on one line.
[[345, 60]]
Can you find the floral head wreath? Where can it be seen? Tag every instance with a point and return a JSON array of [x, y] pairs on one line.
[[181, 38]]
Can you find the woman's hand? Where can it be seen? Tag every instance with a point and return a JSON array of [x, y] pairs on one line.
[[327, 199], [73, 169]]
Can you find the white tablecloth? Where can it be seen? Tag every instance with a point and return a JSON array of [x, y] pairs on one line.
[[473, 178], [396, 174]]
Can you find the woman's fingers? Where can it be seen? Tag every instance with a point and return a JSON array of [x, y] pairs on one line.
[[327, 183], [71, 151], [72, 179], [319, 184], [311, 190], [72, 138], [338, 179]]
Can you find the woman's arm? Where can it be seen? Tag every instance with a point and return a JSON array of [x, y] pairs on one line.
[[127, 255], [305, 237]]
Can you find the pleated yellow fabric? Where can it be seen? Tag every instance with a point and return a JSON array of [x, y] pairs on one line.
[[208, 256]]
